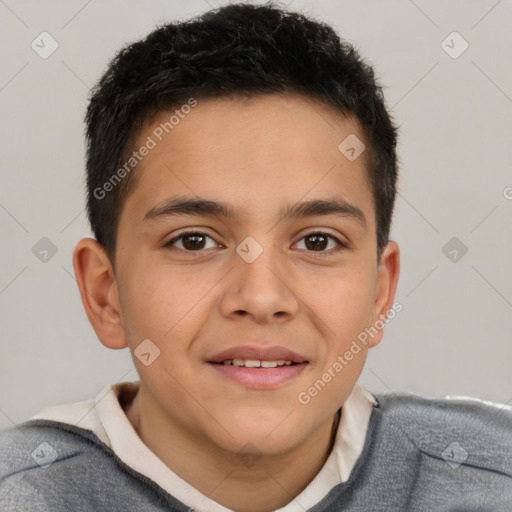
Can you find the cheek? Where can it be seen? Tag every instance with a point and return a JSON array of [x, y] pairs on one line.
[[167, 310], [345, 309], [344, 301], [166, 306], [149, 301]]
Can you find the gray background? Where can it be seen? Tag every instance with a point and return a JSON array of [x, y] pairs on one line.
[[453, 335]]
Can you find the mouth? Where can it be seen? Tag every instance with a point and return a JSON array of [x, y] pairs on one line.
[[255, 363], [258, 374]]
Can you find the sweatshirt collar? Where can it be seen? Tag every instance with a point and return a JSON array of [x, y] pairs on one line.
[[105, 416]]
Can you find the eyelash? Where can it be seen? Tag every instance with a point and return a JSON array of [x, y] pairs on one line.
[[341, 245]]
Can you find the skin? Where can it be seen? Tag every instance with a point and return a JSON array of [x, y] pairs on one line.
[[257, 155]]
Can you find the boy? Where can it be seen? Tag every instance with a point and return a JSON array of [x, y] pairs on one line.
[[241, 177]]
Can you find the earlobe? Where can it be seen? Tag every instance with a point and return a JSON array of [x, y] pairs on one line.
[[98, 289], [387, 281]]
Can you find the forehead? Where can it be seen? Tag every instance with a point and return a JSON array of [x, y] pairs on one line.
[[256, 153]]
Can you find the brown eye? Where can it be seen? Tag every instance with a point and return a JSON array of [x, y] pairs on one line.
[[316, 242], [319, 242], [190, 241]]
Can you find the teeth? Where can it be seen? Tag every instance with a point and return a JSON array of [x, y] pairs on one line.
[[249, 363], [252, 363]]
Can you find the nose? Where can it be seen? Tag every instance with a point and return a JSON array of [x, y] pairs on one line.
[[260, 289]]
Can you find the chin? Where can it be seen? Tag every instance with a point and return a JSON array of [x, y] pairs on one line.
[[245, 446], [264, 438]]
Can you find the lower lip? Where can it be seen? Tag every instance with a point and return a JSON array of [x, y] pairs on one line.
[[259, 378]]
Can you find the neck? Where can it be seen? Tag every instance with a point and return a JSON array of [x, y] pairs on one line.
[[269, 484]]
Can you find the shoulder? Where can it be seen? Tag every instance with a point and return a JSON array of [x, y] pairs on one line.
[[459, 430], [42, 460], [46, 465], [41, 442]]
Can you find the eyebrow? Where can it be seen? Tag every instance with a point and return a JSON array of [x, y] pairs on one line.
[[179, 205]]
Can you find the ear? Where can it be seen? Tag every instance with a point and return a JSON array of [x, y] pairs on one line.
[[387, 281], [98, 290]]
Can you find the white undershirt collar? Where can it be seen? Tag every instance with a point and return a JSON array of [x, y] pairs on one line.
[[106, 418]]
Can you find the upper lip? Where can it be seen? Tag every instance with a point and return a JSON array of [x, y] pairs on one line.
[[260, 353]]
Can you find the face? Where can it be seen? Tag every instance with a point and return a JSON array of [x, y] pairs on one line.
[[256, 278]]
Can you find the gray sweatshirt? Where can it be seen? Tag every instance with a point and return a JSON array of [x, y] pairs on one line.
[[420, 454]]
